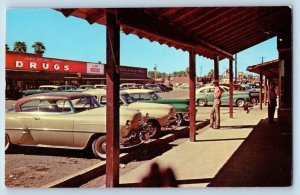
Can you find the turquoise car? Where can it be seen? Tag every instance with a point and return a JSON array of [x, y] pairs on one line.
[[205, 96], [147, 95]]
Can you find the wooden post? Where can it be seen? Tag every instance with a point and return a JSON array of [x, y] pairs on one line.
[[265, 91], [192, 90], [112, 101], [260, 90], [235, 67], [230, 89], [216, 68]]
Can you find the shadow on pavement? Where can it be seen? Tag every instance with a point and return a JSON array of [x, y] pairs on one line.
[[263, 160]]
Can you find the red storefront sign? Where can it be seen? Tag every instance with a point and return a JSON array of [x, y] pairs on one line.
[[33, 62]]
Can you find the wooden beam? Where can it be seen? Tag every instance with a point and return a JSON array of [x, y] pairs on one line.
[[265, 91], [67, 11], [260, 90], [192, 89], [96, 16], [148, 24], [112, 101], [230, 89], [235, 68], [216, 67]]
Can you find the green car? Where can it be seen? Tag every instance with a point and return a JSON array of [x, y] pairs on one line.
[[41, 89], [146, 95], [205, 96]]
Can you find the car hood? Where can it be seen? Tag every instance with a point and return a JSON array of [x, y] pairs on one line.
[[147, 105], [31, 90], [125, 114], [170, 101], [123, 111]]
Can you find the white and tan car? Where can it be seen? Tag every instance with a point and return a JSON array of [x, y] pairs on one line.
[[158, 116], [68, 120]]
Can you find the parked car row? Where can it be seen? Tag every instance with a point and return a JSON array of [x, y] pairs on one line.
[[71, 88], [77, 120], [69, 120], [158, 87], [56, 88]]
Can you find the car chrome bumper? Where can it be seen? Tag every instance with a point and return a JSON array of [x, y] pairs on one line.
[[136, 137]]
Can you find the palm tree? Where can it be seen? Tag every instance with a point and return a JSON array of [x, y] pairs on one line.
[[20, 46], [39, 48], [7, 48], [210, 74]]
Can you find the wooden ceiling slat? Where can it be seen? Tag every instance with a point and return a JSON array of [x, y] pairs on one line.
[[243, 28], [154, 28], [247, 42], [203, 13], [169, 12], [186, 13], [211, 20], [210, 30], [226, 22], [259, 28]]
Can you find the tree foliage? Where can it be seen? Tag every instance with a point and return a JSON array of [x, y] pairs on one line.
[[20, 46], [6, 47], [39, 48]]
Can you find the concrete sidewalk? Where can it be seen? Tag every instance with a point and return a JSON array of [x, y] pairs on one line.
[[196, 164]]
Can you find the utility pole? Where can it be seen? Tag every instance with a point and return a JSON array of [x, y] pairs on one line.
[[155, 68], [262, 60]]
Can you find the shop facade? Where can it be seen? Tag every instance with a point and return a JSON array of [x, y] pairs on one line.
[[29, 71]]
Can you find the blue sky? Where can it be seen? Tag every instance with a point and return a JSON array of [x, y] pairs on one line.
[[73, 38]]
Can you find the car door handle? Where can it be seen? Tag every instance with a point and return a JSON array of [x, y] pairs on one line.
[[36, 118]]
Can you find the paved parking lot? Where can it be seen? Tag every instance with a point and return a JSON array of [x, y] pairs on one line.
[[34, 167]]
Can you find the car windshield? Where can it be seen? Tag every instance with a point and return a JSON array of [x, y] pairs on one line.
[[154, 96], [47, 88], [144, 96], [11, 108], [85, 103], [127, 98]]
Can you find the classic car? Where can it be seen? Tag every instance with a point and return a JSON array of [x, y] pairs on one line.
[[41, 89], [86, 87], [205, 96], [254, 93], [100, 86], [154, 87], [65, 88], [68, 120], [131, 86], [159, 117], [164, 87], [146, 95], [184, 86]]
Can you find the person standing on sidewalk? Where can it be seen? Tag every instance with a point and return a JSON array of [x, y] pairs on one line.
[[272, 101], [215, 112]]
